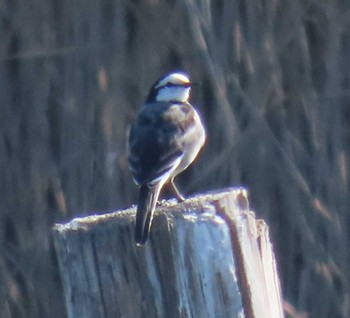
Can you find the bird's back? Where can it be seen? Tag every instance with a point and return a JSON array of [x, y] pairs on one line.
[[153, 142]]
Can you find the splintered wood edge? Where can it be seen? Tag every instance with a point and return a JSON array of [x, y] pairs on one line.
[[197, 204], [258, 231], [270, 269]]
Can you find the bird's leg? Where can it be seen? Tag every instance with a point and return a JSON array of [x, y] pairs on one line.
[[176, 192]]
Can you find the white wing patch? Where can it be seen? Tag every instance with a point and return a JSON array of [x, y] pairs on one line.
[[164, 177]]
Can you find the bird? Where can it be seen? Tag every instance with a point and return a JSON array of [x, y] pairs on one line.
[[163, 141]]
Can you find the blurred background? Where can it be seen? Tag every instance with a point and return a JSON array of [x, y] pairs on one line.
[[274, 93]]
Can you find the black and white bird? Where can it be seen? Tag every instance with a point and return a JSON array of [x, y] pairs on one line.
[[164, 139]]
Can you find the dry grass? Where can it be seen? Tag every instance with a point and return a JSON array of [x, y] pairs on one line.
[[275, 96]]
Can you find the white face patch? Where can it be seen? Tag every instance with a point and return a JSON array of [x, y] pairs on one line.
[[174, 78], [173, 93]]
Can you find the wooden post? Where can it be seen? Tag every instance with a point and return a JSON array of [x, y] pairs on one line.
[[206, 257]]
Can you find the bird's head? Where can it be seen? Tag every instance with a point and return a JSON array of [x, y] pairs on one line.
[[174, 87]]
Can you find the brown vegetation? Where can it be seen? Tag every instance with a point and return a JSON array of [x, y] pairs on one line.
[[275, 79]]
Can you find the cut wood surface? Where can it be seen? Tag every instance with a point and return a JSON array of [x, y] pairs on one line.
[[206, 257]]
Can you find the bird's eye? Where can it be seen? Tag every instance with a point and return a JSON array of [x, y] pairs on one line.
[[168, 85]]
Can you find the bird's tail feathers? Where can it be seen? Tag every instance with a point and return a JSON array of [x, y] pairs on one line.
[[147, 202]]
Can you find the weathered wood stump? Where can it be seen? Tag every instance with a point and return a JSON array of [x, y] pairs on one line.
[[206, 257]]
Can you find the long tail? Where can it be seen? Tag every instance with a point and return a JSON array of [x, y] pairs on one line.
[[147, 202]]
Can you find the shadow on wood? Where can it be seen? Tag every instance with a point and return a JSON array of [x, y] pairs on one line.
[[206, 257]]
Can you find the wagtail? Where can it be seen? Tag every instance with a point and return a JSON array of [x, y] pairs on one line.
[[165, 138]]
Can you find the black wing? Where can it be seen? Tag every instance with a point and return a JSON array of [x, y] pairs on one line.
[[154, 147]]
